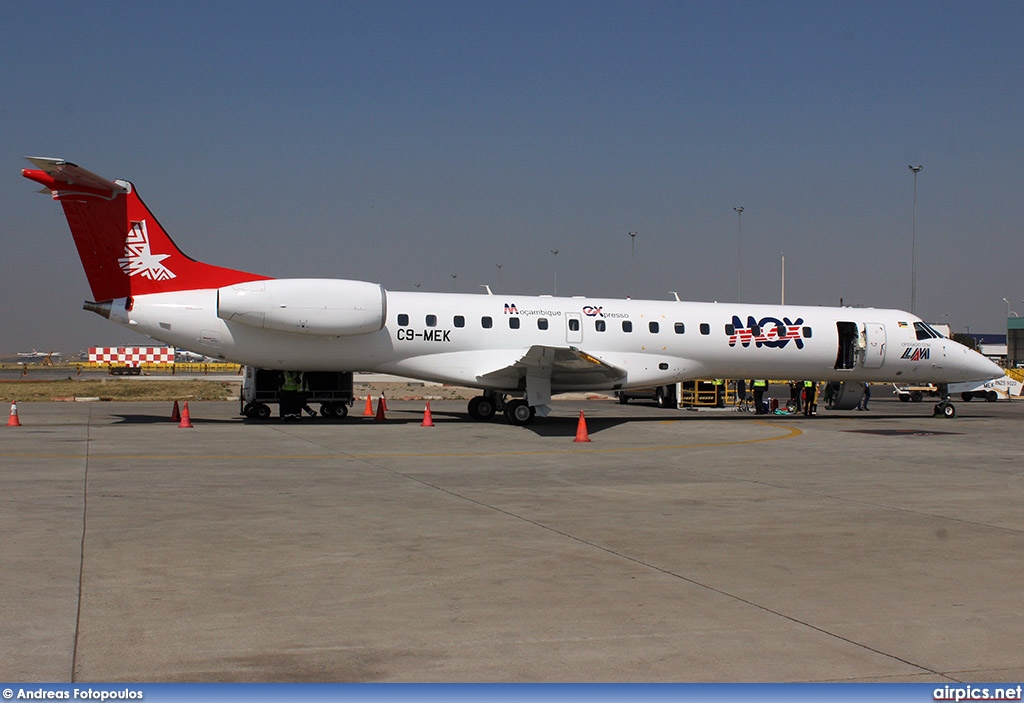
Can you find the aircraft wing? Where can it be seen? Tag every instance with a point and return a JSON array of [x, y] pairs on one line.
[[565, 366]]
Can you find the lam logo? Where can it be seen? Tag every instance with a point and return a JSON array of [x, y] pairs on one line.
[[916, 353], [766, 332], [138, 260]]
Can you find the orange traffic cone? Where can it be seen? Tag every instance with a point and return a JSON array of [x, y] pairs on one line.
[[186, 419], [379, 417], [175, 413], [428, 419], [13, 420], [581, 430], [368, 412], [384, 399]]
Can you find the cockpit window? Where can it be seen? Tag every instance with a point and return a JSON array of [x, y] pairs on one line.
[[925, 332]]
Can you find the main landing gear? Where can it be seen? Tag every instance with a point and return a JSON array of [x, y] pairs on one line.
[[517, 411]]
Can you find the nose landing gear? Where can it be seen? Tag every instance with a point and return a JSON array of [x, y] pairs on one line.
[[945, 408]]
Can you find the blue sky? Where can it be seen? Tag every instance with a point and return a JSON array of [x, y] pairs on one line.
[[403, 142]]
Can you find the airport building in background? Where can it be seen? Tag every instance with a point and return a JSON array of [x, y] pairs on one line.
[[1014, 342]]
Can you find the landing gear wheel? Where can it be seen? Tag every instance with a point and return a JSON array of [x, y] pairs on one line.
[[518, 412], [481, 408], [661, 397], [946, 409]]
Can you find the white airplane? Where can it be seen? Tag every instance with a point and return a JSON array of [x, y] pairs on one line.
[[517, 349], [37, 354]]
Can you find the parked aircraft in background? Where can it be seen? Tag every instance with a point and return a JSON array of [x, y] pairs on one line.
[[38, 355], [517, 349]]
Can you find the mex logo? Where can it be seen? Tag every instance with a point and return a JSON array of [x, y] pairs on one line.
[[770, 332]]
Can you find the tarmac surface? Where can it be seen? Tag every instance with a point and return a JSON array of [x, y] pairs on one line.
[[675, 546]]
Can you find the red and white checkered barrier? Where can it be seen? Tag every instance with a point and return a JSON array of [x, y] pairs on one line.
[[131, 356]]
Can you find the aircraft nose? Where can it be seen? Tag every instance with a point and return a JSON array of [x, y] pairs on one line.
[[978, 368]]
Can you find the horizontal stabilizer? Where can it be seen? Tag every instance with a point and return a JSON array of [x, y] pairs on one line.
[[63, 175]]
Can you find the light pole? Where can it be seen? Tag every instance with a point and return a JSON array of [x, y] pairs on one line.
[[632, 264], [739, 247], [783, 278], [554, 255], [913, 244]]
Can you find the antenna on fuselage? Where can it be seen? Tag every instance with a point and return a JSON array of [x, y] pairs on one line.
[[487, 288]]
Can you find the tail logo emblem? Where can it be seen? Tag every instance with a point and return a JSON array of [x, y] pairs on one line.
[[138, 260]]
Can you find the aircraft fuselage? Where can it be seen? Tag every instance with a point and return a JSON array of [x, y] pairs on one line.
[[461, 338]]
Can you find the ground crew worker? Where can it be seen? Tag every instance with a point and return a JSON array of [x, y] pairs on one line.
[[291, 395], [865, 396], [810, 388], [760, 387], [719, 384]]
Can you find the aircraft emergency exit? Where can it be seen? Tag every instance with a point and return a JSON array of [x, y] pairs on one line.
[[516, 349]]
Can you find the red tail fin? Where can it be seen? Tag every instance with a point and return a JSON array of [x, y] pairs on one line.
[[123, 248]]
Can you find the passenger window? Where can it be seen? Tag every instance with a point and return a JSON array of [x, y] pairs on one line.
[[653, 327], [600, 326], [627, 326], [431, 320], [807, 332], [542, 323], [730, 329], [755, 330], [513, 323], [403, 320], [574, 324], [459, 321], [680, 328], [705, 328], [486, 322]]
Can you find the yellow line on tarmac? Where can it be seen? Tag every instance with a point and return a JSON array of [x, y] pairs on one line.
[[790, 433]]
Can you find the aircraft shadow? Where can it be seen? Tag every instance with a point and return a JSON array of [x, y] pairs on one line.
[[166, 420]]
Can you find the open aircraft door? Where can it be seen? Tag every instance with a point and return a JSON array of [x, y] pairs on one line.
[[874, 345]]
